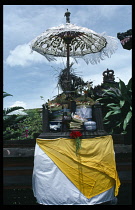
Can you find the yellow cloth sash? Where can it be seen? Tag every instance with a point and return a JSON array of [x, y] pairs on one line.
[[93, 170]]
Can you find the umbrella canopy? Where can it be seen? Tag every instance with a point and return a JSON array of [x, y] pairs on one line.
[[69, 40]]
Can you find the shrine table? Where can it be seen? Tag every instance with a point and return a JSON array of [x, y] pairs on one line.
[[60, 177]]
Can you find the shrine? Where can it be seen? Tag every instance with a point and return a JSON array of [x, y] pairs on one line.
[[74, 154]]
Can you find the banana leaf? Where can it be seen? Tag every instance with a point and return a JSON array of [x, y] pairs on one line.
[[127, 119]]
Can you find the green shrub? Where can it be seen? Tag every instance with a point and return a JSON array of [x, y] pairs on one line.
[[117, 104]]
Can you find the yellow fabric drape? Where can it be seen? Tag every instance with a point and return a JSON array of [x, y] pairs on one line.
[[93, 170]]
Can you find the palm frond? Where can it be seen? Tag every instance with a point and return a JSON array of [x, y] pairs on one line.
[[5, 94], [12, 109]]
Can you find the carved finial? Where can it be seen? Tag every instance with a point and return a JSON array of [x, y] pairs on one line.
[[67, 14], [108, 76]]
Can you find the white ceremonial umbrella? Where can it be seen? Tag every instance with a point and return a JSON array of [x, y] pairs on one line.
[[69, 40]]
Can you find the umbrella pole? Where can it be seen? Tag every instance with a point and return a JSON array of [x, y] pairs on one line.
[[68, 68]]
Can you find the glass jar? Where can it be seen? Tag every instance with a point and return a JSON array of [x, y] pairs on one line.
[[90, 125], [84, 111]]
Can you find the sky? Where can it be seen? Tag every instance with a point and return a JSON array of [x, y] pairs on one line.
[[27, 76]]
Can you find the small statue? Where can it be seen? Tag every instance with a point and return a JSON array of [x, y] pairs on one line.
[[67, 14]]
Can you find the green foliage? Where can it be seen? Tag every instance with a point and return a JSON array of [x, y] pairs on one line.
[[10, 121], [5, 94], [18, 126], [32, 123], [27, 126], [117, 103]]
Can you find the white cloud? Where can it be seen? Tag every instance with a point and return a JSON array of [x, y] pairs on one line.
[[22, 56], [19, 103]]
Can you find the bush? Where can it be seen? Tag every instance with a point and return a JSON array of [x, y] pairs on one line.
[[117, 103]]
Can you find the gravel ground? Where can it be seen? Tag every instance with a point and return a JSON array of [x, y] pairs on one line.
[[25, 196]]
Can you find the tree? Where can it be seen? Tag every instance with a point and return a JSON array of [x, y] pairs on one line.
[[10, 121]]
